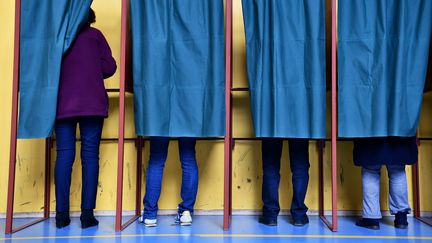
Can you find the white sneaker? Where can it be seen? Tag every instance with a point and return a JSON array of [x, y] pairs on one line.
[[150, 222], [147, 222], [184, 219]]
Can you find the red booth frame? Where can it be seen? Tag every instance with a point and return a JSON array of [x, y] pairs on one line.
[[139, 141], [230, 140], [124, 59]]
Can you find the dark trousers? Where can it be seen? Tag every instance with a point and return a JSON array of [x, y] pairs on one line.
[[299, 159], [158, 156], [90, 130]]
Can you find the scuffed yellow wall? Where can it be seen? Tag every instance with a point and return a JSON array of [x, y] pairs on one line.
[[6, 63], [247, 171]]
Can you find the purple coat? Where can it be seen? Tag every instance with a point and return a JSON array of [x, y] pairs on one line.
[[84, 67]]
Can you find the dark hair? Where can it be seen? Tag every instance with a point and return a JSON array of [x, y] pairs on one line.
[[91, 17]]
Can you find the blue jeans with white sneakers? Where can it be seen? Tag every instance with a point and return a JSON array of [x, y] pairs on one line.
[[158, 156], [398, 192]]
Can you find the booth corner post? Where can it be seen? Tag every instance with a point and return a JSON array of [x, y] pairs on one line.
[[334, 129], [227, 211], [14, 121], [139, 142], [13, 140], [333, 224], [417, 211], [121, 131]]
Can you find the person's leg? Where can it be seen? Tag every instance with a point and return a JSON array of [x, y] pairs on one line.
[[398, 195], [158, 155], [299, 160], [189, 187], [371, 191], [65, 131], [371, 197], [271, 154], [91, 132]]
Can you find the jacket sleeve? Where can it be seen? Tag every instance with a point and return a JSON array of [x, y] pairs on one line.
[[108, 63]]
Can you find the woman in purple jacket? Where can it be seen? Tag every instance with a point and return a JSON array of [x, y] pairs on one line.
[[82, 99]]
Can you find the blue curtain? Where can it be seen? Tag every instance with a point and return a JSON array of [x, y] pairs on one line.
[[178, 67], [285, 43], [47, 30], [383, 57]]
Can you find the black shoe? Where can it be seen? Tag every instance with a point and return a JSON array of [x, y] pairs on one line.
[[300, 221], [401, 221], [369, 223], [88, 219], [62, 219], [267, 221]]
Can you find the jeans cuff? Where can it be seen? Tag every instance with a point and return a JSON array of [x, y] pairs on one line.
[[181, 209], [371, 216], [149, 215], [407, 210]]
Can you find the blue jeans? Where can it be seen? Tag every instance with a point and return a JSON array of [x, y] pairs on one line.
[[299, 161], [90, 130], [398, 192], [158, 156]]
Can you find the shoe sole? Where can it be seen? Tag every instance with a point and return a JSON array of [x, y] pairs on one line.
[[185, 223], [150, 225], [61, 226], [271, 224], [370, 227], [300, 224], [401, 226]]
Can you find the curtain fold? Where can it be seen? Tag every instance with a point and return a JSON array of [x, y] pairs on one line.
[[47, 30], [178, 67], [286, 62], [383, 50]]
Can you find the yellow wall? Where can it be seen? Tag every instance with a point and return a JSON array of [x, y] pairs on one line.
[[6, 55], [246, 155]]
